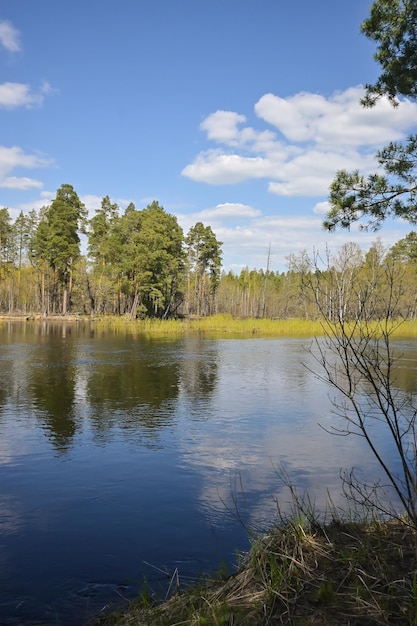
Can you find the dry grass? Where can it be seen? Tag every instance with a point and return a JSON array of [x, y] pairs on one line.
[[343, 574]]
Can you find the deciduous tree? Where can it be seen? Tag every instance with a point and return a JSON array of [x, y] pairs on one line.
[[357, 359]]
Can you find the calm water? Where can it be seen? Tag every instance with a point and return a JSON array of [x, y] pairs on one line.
[[123, 457]]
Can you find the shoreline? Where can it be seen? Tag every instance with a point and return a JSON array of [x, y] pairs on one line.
[[300, 574]]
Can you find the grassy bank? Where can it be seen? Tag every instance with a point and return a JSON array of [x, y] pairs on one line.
[[224, 325], [216, 325], [341, 574]]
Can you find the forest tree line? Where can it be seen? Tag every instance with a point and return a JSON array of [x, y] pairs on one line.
[[140, 264]]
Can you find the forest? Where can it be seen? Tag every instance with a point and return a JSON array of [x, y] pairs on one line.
[[140, 264]]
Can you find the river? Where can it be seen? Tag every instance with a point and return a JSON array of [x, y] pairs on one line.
[[125, 458]]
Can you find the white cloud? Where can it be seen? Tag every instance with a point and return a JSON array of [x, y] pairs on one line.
[[217, 168], [310, 173], [45, 198], [321, 208], [9, 36], [317, 136], [246, 237], [12, 182], [292, 121], [15, 157], [13, 95], [338, 121], [229, 210], [92, 203], [231, 213], [221, 126]]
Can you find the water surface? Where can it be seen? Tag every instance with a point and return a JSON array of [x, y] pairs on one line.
[[124, 457]]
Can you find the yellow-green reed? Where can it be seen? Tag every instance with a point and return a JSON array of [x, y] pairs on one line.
[[226, 325], [216, 324]]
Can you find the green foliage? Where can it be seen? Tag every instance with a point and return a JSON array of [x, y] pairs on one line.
[[204, 251], [5, 236], [324, 593], [222, 573], [65, 218], [392, 25], [405, 250], [151, 259], [140, 265], [100, 231], [204, 265], [56, 242], [377, 197], [21, 234]]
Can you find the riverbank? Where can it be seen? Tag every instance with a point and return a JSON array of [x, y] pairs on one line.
[[216, 324], [301, 574], [225, 325]]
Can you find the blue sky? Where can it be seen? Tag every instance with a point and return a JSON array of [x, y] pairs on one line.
[[231, 112]]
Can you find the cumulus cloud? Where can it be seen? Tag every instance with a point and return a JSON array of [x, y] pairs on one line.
[[13, 95], [221, 126], [336, 121], [13, 158], [321, 208], [247, 232], [217, 168], [288, 235], [224, 218], [92, 203], [310, 173], [12, 182], [16, 157], [313, 136], [9, 36], [45, 198], [230, 210]]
